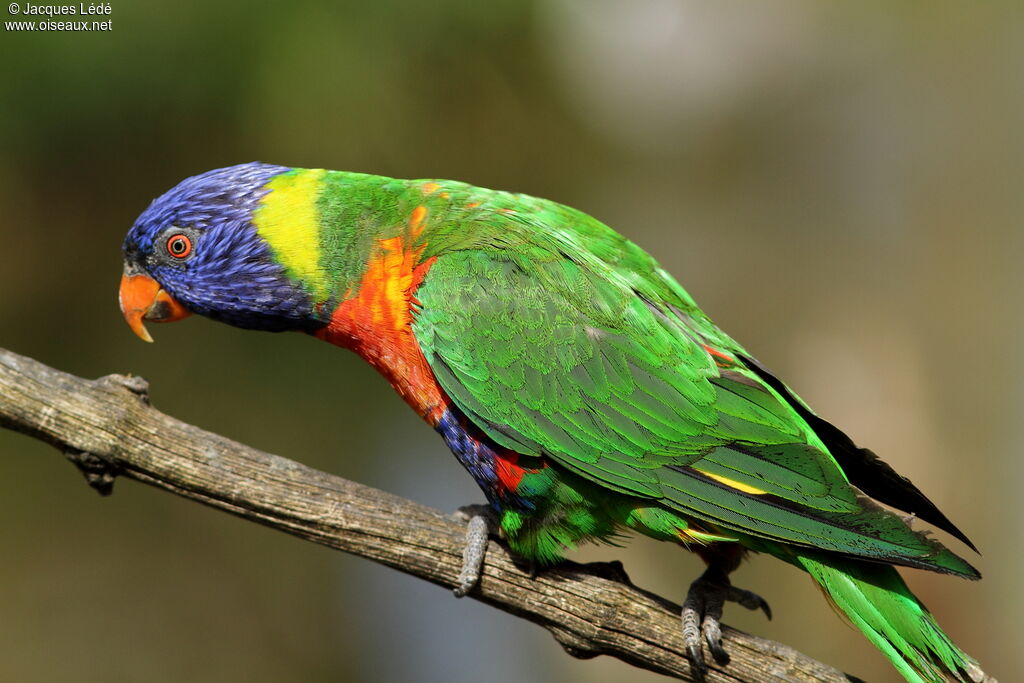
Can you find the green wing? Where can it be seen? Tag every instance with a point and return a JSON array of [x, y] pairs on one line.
[[601, 363]]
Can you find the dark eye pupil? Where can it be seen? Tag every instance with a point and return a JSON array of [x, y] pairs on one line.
[[177, 246]]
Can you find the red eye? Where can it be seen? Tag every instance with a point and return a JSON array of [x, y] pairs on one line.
[[179, 246]]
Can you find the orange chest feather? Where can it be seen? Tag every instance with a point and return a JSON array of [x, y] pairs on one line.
[[377, 324]]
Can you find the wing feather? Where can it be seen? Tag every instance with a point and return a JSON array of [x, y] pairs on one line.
[[608, 374]]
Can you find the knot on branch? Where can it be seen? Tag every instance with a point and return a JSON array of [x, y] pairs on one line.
[[133, 383], [99, 473], [573, 644]]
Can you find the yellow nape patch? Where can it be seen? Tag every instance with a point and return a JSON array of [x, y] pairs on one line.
[[733, 484], [288, 220]]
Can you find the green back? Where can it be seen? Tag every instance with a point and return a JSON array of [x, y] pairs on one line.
[[558, 337]]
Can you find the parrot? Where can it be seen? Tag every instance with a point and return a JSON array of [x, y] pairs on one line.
[[572, 376]]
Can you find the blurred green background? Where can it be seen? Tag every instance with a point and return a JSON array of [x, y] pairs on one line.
[[838, 185]]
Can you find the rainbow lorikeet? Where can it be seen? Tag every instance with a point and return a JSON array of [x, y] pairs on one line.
[[575, 379]]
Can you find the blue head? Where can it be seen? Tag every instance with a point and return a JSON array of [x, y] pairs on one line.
[[195, 250]]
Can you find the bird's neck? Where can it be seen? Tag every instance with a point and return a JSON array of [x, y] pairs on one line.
[[376, 323], [376, 231], [360, 245]]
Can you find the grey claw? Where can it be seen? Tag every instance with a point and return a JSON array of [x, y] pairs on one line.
[[713, 637], [696, 656], [692, 616]]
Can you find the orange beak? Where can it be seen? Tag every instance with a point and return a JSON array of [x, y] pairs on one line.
[[142, 298]]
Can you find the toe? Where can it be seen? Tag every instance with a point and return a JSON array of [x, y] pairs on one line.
[[692, 616], [473, 554], [712, 629], [711, 625], [749, 599], [696, 656]]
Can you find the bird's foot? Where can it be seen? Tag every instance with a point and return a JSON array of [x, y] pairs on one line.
[[702, 614], [481, 522]]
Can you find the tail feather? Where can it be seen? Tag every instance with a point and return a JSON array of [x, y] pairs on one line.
[[876, 600]]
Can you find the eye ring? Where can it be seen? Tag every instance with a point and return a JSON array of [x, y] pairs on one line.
[[179, 245]]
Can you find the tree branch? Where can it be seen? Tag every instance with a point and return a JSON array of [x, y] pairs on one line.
[[108, 429]]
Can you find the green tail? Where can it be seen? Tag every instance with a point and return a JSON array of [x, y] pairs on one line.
[[876, 600]]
